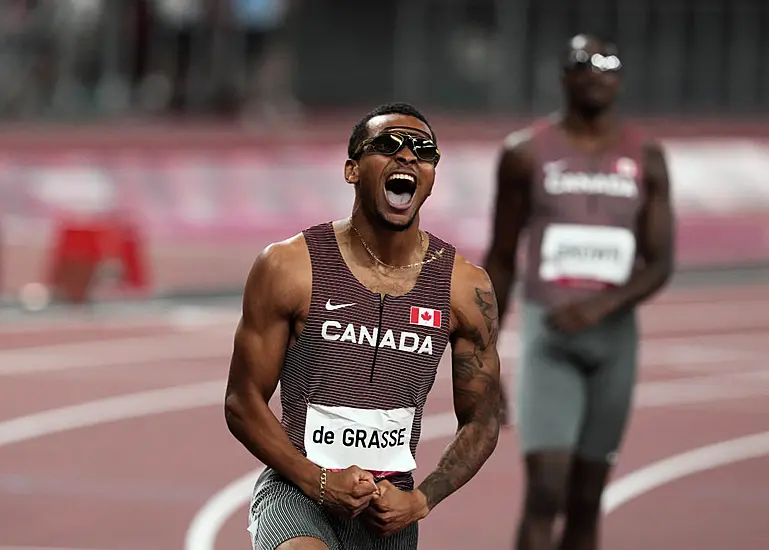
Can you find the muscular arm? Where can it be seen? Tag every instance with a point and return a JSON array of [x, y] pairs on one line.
[[270, 302], [511, 211], [475, 377], [656, 237]]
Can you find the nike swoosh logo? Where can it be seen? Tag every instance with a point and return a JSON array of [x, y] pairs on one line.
[[329, 307]]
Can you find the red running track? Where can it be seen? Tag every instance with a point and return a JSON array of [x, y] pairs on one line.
[[133, 472]]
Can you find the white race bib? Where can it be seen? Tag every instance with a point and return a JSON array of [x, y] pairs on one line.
[[595, 253], [372, 439]]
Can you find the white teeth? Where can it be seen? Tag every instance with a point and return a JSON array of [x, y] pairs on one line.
[[402, 177]]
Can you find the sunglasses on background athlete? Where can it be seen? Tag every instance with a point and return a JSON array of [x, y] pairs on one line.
[[582, 60], [391, 142]]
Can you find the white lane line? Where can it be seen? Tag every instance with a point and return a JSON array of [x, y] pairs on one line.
[[111, 409], [671, 469], [180, 317], [208, 521], [705, 389], [113, 353], [702, 389], [203, 394]]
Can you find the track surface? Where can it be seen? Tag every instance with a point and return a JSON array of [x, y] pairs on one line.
[[136, 444]]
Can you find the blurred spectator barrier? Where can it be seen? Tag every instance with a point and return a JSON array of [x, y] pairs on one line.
[[206, 202]]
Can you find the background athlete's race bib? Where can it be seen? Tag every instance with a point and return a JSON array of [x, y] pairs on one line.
[[372, 439], [595, 253]]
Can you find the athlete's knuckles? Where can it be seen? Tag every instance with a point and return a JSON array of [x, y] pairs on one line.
[[385, 518], [363, 493], [361, 502], [386, 485], [380, 518], [380, 506]]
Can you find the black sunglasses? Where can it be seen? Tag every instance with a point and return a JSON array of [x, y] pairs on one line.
[[580, 59], [391, 142]]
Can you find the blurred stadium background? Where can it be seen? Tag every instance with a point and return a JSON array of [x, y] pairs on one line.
[[210, 128], [149, 149]]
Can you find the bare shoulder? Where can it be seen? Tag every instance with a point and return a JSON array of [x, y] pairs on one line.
[[517, 157], [518, 140], [473, 301], [281, 274], [467, 277]]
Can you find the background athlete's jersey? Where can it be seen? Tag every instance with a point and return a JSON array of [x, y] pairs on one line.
[[362, 365], [584, 212]]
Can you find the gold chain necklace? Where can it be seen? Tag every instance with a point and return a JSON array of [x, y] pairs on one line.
[[407, 266]]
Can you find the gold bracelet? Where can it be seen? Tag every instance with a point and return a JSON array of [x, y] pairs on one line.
[[322, 486]]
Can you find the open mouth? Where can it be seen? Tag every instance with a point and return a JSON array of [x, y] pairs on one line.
[[399, 190]]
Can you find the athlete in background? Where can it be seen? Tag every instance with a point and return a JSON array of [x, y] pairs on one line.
[[352, 317], [594, 198]]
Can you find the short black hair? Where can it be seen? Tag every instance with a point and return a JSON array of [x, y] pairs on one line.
[[360, 130]]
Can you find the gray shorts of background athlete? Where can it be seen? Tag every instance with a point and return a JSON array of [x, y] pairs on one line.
[[574, 392], [280, 511]]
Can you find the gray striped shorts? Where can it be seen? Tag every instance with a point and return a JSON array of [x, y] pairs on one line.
[[280, 511]]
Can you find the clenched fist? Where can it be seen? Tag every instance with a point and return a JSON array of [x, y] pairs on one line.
[[393, 509], [349, 491]]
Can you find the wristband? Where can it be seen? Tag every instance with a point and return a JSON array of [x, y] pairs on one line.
[[322, 486]]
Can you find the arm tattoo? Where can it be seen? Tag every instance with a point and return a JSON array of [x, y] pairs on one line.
[[487, 303], [476, 401]]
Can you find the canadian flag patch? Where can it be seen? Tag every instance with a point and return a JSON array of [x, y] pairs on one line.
[[425, 316]]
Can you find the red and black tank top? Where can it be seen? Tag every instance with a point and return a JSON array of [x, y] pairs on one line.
[[584, 214], [354, 384]]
